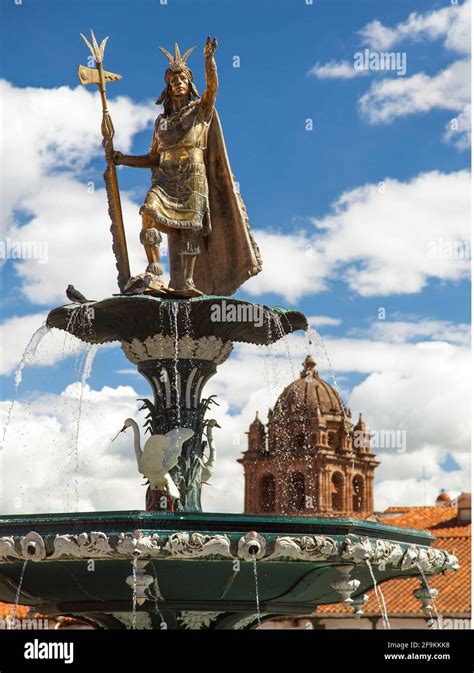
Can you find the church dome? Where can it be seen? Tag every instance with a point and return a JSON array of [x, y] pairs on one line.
[[443, 498], [310, 394]]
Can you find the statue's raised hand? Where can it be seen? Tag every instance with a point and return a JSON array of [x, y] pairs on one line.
[[210, 47]]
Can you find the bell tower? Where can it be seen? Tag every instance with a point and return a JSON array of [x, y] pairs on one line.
[[310, 458]]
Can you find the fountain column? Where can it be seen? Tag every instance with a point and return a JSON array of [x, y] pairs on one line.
[[177, 371]]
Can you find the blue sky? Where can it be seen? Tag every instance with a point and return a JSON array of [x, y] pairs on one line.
[[290, 177]]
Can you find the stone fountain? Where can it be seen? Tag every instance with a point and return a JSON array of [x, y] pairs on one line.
[[171, 565]]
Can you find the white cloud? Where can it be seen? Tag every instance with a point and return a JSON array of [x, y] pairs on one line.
[[458, 130], [394, 97], [40, 448], [380, 239], [78, 239], [386, 238], [336, 70], [451, 24], [47, 129], [16, 333], [323, 320], [419, 388], [447, 90], [292, 266], [400, 331], [61, 209]]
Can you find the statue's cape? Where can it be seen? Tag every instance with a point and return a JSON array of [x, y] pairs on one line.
[[229, 255]]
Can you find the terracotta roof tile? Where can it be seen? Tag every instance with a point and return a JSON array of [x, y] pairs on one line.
[[6, 610], [454, 588]]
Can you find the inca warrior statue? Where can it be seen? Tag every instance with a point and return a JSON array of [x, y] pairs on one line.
[[193, 196]]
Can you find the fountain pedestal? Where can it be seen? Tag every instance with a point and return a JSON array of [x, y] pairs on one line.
[[177, 346]]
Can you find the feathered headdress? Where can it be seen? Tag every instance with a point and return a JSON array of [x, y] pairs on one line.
[[177, 63]]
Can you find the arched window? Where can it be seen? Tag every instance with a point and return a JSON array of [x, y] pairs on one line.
[[332, 440], [337, 492], [358, 494], [296, 492], [267, 493]]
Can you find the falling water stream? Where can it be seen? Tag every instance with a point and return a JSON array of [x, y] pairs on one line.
[[175, 309], [18, 592], [86, 366], [28, 354], [257, 595], [134, 595], [380, 597], [81, 317], [428, 588], [188, 325]]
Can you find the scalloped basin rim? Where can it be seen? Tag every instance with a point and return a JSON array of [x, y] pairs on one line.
[[126, 317], [213, 522]]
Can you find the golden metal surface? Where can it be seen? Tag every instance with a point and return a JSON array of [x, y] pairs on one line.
[[100, 76]]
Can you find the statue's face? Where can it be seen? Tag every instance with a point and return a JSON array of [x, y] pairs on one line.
[[179, 84]]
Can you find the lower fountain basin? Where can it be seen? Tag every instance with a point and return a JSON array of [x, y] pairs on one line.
[[197, 570]]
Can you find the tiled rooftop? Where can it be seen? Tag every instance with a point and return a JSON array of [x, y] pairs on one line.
[[454, 588]]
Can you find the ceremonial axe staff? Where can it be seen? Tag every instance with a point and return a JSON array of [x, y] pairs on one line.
[[100, 76]]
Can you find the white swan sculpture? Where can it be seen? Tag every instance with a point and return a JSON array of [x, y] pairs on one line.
[[159, 455]]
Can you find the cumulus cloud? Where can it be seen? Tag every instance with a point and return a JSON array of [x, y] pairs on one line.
[[323, 320], [17, 333], [49, 129], [78, 240], [386, 237], [365, 240], [383, 239], [400, 331], [451, 24], [393, 97], [40, 449], [46, 196], [417, 388], [447, 90], [336, 70], [281, 253]]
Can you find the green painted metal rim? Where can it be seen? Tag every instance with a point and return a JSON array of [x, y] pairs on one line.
[[213, 522]]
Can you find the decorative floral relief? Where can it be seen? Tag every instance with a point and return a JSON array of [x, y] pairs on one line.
[[138, 544], [246, 621], [164, 347], [308, 548], [352, 550], [196, 545], [197, 620], [79, 546]]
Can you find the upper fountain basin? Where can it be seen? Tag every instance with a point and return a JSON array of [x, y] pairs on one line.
[[124, 317]]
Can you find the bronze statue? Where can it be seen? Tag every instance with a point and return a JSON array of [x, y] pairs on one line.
[[193, 196]]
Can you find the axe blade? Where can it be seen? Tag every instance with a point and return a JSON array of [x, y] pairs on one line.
[[91, 75]]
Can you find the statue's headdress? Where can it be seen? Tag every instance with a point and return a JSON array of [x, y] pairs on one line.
[[177, 63]]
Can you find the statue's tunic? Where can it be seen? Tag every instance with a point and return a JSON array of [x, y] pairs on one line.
[[179, 195]]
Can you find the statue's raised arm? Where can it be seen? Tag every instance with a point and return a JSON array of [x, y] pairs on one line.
[[209, 96]]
